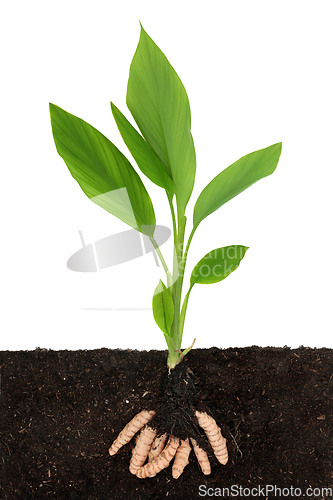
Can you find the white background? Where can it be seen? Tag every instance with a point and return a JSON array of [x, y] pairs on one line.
[[256, 73]]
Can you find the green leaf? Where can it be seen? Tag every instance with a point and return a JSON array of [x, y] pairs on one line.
[[159, 104], [102, 171], [142, 153], [216, 265], [163, 308], [235, 179]]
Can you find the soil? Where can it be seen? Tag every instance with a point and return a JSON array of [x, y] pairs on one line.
[[61, 410]]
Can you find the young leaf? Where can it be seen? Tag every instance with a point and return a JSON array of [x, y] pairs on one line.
[[142, 153], [102, 171], [163, 308], [159, 104], [235, 179], [216, 265]]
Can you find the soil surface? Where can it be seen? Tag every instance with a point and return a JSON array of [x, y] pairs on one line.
[[61, 410]]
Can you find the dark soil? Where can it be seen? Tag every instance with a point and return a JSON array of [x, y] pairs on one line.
[[61, 410]]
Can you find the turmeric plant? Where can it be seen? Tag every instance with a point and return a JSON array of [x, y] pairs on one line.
[[163, 149]]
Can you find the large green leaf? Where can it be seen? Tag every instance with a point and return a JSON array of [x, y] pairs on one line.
[[163, 308], [142, 153], [102, 171], [235, 179], [216, 265], [159, 104]]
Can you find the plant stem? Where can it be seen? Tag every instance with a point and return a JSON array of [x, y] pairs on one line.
[[179, 281], [188, 245], [174, 224], [174, 358], [159, 253], [176, 283], [175, 241], [183, 314], [184, 258], [180, 316]]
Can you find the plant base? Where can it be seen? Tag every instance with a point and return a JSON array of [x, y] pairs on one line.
[[180, 399]]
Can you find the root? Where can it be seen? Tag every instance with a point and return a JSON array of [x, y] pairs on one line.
[[213, 432], [202, 457], [141, 449], [234, 439], [180, 422], [130, 429], [160, 462], [181, 458], [157, 447]]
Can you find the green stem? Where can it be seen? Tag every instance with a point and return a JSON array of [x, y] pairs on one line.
[[183, 314], [159, 253], [184, 259], [174, 358], [178, 282], [174, 224], [188, 245], [175, 240], [180, 320], [179, 263]]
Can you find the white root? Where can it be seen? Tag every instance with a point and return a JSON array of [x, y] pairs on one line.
[[202, 457], [130, 429], [141, 450], [160, 462], [213, 432], [159, 457], [157, 447], [181, 458]]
